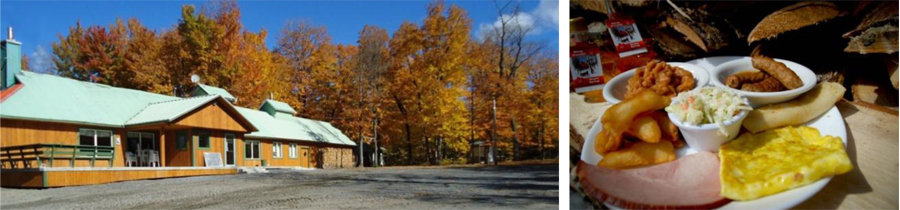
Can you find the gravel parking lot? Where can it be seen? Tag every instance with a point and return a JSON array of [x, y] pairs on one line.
[[504, 187]]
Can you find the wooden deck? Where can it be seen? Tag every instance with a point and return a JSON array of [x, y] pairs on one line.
[[62, 177]]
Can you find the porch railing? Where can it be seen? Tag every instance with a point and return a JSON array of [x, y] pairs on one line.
[[23, 156]]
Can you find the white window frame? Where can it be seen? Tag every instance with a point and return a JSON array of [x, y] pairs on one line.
[[277, 150], [96, 131], [292, 150], [251, 143]]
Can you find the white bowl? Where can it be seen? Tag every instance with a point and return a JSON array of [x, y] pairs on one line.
[[762, 98], [707, 137], [614, 90]]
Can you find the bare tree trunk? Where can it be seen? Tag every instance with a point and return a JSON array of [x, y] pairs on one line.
[[494, 130], [541, 139], [375, 138], [515, 139], [361, 163], [428, 150], [409, 145]]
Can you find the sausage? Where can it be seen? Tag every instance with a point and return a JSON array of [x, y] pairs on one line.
[[782, 73]]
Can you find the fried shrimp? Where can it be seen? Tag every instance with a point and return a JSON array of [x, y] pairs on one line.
[[661, 78]]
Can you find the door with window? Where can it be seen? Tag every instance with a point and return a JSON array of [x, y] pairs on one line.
[[229, 149], [304, 157], [141, 145]]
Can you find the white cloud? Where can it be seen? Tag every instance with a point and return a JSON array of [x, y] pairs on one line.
[[543, 18], [548, 12], [41, 61]]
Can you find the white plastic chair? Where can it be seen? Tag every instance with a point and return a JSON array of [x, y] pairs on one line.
[[153, 158], [143, 157], [130, 159]]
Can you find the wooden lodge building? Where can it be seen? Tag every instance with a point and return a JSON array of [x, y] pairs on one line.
[[56, 131]]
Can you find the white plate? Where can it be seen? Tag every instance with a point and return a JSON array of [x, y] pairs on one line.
[[831, 123], [615, 89]]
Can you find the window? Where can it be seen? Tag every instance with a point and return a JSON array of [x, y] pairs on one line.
[[95, 137], [251, 149], [181, 140], [276, 150], [138, 141], [203, 141], [292, 150]]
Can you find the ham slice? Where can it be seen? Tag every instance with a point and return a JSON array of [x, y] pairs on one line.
[[690, 182]]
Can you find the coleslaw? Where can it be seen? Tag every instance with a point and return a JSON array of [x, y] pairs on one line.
[[707, 105]]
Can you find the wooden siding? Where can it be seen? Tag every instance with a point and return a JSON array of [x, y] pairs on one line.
[[217, 145], [22, 132], [211, 116], [35, 179], [74, 178], [31, 179], [318, 155], [285, 159], [174, 156]]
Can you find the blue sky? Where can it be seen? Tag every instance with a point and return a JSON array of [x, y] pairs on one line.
[[38, 23]]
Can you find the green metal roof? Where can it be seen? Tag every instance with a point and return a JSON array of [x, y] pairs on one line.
[[168, 111], [278, 106], [293, 128], [210, 90], [52, 98]]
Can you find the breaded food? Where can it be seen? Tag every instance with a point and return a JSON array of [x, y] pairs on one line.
[[639, 154], [669, 129], [618, 118], [800, 110], [767, 84], [776, 69], [756, 165], [737, 80], [645, 128], [661, 78]]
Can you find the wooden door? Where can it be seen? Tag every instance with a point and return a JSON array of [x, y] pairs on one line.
[[304, 156]]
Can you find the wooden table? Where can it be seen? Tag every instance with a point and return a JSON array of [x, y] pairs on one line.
[[872, 146]]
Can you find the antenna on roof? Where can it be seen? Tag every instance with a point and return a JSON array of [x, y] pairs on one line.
[[271, 96], [9, 33], [195, 78]]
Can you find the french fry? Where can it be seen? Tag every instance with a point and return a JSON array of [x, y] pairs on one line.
[[645, 128], [639, 154], [618, 118], [669, 129]]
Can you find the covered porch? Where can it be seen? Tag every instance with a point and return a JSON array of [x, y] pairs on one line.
[[184, 137]]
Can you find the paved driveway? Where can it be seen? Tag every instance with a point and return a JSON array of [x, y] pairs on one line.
[[505, 187]]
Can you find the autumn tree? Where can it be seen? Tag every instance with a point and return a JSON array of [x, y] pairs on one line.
[[309, 53], [424, 92], [372, 62], [404, 88], [513, 51]]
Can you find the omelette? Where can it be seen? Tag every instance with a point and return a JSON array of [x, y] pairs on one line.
[[757, 165]]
